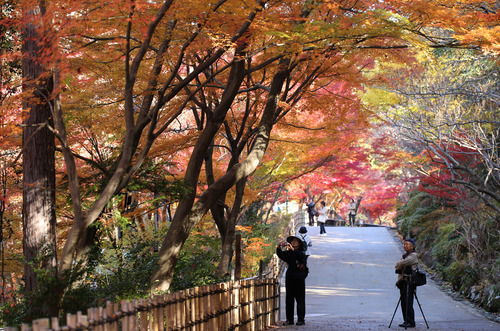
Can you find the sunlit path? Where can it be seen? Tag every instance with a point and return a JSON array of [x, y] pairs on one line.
[[351, 287]]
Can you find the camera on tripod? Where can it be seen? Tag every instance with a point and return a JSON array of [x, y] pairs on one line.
[[407, 271]]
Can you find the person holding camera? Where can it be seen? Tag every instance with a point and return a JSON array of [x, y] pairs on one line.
[[292, 252], [404, 268]]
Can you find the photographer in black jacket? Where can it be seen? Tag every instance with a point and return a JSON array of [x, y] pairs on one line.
[[404, 268], [292, 252]]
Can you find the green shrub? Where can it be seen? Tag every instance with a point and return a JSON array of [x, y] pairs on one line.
[[461, 275], [198, 262], [443, 248]]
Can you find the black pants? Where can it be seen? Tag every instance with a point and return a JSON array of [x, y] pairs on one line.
[[352, 219], [322, 227], [311, 219], [295, 291], [407, 293]]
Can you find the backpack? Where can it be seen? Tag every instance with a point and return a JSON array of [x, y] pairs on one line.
[[304, 242]]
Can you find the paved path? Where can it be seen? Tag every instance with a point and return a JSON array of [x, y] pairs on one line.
[[351, 287]]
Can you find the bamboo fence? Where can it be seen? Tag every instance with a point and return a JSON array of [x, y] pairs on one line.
[[249, 304]]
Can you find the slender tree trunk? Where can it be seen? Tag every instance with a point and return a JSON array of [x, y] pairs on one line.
[[39, 217], [228, 238], [218, 210]]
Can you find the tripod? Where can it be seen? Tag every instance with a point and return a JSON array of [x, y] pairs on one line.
[[416, 297]]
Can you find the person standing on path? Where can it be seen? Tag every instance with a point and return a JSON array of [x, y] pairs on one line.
[[322, 218], [352, 212], [310, 211], [404, 269], [302, 234], [292, 252]]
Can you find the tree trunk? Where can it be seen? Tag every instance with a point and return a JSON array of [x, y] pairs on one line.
[[228, 238], [39, 217], [218, 210]]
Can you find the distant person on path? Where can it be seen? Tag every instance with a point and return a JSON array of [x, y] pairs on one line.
[[404, 268], [352, 212], [310, 211], [292, 252], [322, 218], [302, 234]]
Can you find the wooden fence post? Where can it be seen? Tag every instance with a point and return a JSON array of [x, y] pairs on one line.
[[245, 316], [192, 309], [177, 309], [235, 301], [197, 309], [154, 314], [101, 317], [41, 324], [269, 306], [54, 324], [203, 313], [70, 321], [126, 319], [161, 313], [82, 321], [217, 309], [170, 312], [237, 257], [110, 312], [228, 299], [183, 311], [212, 307], [258, 303], [251, 300], [143, 319]]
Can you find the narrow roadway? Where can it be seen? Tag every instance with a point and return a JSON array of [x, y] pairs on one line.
[[351, 287]]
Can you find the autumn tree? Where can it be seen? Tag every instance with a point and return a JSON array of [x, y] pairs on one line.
[[451, 114]]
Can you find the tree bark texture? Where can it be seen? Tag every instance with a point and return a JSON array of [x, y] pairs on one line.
[[39, 217]]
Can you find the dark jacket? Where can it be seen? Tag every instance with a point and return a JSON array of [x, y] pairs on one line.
[[296, 260]]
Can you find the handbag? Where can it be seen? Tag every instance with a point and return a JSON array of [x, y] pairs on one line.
[[418, 278], [304, 268]]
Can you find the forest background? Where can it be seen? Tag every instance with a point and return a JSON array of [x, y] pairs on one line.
[[139, 137]]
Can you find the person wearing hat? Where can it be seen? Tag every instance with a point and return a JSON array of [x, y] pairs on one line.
[[293, 253], [302, 234], [404, 268]]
